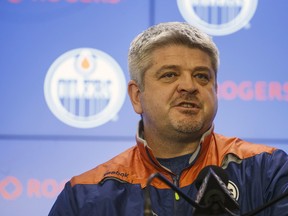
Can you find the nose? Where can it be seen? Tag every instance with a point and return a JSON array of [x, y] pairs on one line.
[[187, 84]]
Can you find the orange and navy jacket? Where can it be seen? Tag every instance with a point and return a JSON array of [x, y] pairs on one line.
[[257, 174]]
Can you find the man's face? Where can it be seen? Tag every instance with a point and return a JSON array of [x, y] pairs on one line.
[[180, 93]]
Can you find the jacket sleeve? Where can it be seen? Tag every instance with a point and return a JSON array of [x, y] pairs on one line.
[[278, 182], [65, 204]]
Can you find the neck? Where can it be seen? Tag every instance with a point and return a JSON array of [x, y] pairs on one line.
[[170, 147]]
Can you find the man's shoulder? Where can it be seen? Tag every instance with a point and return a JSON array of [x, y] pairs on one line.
[[241, 148], [118, 167]]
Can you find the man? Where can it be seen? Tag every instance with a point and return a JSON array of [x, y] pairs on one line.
[[173, 86]]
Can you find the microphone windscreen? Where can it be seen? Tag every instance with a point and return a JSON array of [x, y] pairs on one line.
[[213, 194], [218, 171]]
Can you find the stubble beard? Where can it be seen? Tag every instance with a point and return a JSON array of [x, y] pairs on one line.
[[188, 127], [191, 124]]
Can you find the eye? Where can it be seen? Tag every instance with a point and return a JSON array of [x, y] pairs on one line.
[[203, 78], [168, 75]]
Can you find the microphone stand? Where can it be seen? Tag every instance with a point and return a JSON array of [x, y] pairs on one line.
[[147, 206], [271, 202], [168, 183]]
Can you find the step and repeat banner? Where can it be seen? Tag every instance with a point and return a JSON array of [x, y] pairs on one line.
[[63, 76]]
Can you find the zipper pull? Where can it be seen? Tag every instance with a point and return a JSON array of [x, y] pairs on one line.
[[177, 197], [176, 182]]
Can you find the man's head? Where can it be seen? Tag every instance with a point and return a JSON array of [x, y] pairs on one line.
[[139, 58], [173, 83]]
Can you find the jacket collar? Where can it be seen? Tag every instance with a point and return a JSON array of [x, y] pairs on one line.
[[147, 152]]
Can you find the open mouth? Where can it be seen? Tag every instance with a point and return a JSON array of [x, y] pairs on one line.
[[188, 105]]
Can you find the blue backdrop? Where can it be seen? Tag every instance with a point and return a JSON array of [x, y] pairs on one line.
[[40, 151]]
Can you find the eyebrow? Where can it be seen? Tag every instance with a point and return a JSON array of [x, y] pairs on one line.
[[203, 68], [166, 67], [176, 67]]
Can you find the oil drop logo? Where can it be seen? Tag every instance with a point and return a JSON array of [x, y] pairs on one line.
[[218, 17], [85, 88]]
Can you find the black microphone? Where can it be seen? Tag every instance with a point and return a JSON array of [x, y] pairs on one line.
[[213, 193], [218, 171], [207, 179], [147, 201]]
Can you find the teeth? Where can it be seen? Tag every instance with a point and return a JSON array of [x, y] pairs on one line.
[[188, 105]]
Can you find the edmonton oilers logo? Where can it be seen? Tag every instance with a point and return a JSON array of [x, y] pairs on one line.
[[218, 17], [234, 191], [85, 88]]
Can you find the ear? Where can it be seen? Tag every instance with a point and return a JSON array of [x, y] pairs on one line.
[[134, 94]]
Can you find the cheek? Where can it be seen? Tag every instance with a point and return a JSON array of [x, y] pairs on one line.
[[212, 101], [215, 105], [153, 101], [156, 95]]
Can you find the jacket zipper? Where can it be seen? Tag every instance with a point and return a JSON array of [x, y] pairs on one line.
[[176, 195]]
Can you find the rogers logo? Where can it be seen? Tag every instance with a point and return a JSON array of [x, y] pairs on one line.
[[253, 91], [14, 1], [67, 1], [12, 188]]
